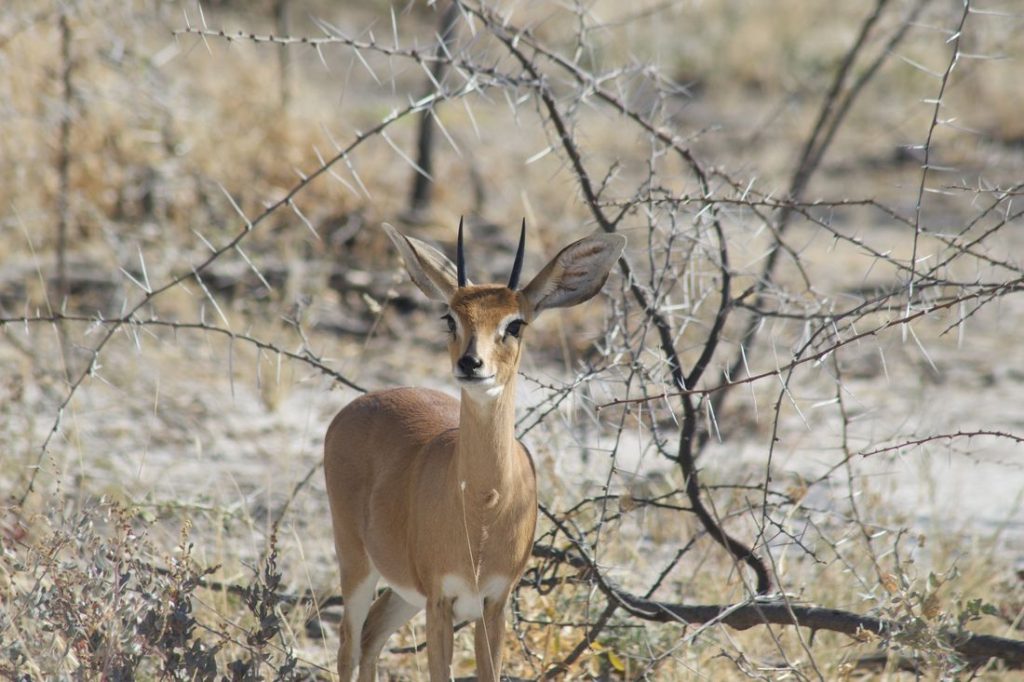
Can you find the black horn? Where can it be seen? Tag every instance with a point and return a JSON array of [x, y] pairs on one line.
[[460, 258], [517, 266]]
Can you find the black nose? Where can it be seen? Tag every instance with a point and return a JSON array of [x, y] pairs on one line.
[[469, 364]]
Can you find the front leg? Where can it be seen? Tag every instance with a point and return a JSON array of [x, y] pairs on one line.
[[488, 637], [440, 632]]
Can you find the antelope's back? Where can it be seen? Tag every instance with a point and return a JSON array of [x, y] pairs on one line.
[[381, 431]]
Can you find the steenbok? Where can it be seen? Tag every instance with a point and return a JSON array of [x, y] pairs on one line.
[[436, 494]]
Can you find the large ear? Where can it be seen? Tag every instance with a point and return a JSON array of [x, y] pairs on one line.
[[576, 273], [429, 269]]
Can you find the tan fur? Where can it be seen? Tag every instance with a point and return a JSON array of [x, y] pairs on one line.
[[434, 493]]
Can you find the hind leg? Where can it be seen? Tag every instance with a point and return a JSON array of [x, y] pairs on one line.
[[358, 582], [357, 591], [387, 614]]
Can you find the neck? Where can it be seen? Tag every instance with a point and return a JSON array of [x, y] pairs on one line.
[[486, 439]]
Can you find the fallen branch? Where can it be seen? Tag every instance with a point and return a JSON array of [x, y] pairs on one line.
[[778, 611], [743, 616]]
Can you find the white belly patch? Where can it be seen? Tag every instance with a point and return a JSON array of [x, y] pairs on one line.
[[467, 602]]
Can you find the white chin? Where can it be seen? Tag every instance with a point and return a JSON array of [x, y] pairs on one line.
[[488, 389]]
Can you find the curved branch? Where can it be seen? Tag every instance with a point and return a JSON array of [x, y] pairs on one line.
[[685, 457], [752, 613]]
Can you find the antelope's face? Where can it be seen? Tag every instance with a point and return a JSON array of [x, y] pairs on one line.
[[486, 322], [485, 326]]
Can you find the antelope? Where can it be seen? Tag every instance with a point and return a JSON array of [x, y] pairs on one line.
[[436, 495]]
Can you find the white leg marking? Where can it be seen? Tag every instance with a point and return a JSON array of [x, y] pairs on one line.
[[357, 605]]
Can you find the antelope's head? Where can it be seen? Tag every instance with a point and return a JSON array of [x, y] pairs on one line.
[[486, 322]]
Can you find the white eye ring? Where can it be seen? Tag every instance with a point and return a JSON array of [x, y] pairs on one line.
[[515, 321]]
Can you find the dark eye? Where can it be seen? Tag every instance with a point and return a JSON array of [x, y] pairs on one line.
[[451, 322], [514, 328]]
